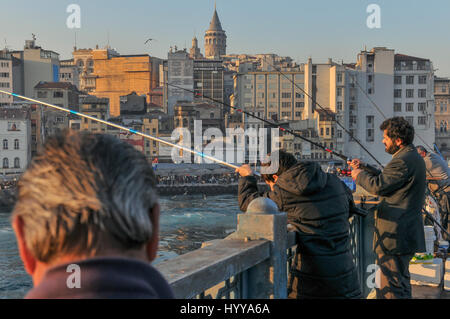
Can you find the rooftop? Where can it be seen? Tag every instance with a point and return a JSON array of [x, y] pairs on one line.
[[403, 57], [215, 24], [56, 85]]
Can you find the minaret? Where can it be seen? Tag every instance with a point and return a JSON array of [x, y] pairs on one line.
[[215, 39], [195, 50]]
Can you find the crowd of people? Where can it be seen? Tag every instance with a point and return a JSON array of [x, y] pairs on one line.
[[171, 180], [8, 184]]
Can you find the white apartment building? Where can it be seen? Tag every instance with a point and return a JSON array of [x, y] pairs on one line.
[[354, 95], [38, 65], [15, 139], [271, 94], [391, 84], [6, 82]]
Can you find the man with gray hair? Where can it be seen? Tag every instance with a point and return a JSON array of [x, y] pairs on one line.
[[87, 220]]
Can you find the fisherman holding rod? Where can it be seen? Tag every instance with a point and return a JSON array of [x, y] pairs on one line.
[[318, 205], [399, 231]]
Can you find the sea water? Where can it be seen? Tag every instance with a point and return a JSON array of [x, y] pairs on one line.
[[185, 222]]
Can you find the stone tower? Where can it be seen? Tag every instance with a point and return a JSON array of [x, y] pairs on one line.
[[215, 39], [194, 53]]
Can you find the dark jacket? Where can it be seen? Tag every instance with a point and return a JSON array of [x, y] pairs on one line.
[[398, 218], [104, 278], [317, 204]]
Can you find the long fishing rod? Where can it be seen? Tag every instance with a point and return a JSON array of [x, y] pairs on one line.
[[123, 128], [240, 110], [327, 111]]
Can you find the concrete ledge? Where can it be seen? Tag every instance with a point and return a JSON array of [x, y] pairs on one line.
[[196, 271], [427, 274], [447, 281]]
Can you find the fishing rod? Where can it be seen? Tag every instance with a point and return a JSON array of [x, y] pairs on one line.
[[240, 110], [125, 129], [327, 111], [345, 158]]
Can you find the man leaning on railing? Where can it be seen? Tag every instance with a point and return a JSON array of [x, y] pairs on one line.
[[318, 206]]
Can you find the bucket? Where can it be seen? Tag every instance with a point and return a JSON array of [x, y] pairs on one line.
[[429, 233], [429, 244]]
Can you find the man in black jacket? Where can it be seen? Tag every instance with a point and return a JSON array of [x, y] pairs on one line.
[[317, 205], [399, 231]]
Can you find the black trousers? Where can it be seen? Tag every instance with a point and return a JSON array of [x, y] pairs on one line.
[[394, 276]]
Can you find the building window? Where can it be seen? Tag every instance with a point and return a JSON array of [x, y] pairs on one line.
[[422, 79], [299, 104], [286, 95], [397, 93], [409, 107], [397, 107], [409, 93], [422, 93], [422, 106], [410, 119], [16, 144], [422, 120], [5, 144], [58, 94], [286, 104], [339, 77], [5, 163], [339, 106], [397, 80], [339, 92], [42, 94], [17, 162], [370, 128], [410, 79]]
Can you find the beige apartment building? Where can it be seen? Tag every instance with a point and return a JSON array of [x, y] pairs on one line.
[[442, 114]]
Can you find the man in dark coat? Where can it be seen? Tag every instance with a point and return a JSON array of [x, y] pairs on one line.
[[399, 231], [317, 205]]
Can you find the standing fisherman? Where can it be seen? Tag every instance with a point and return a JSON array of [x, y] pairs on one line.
[[318, 205], [399, 231]]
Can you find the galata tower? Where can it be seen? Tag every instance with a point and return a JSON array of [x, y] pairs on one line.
[[215, 39]]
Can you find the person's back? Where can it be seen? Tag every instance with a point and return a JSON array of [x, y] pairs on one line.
[[317, 205], [437, 168]]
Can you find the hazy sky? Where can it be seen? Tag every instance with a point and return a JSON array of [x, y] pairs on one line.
[[297, 28]]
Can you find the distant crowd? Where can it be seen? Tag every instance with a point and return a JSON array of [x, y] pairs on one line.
[[8, 185], [203, 179]]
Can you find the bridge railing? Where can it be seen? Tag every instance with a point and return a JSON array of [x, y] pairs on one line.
[[253, 262]]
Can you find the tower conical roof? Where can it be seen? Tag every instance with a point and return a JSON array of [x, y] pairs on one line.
[[215, 23]]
